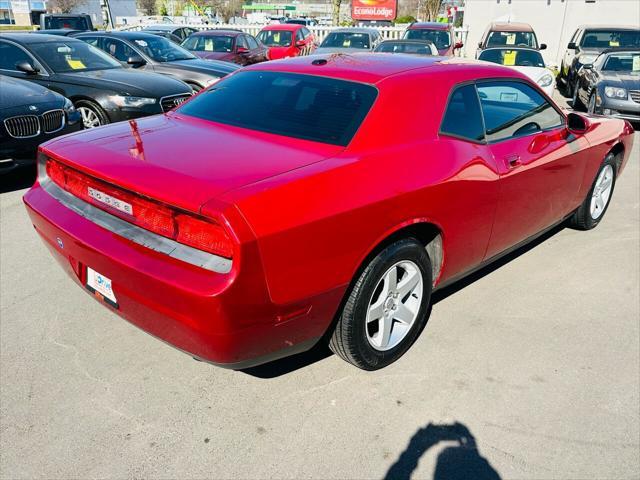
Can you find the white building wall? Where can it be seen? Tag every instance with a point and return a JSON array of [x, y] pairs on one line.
[[119, 8], [554, 21]]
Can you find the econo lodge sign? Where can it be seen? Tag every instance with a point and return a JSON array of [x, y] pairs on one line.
[[374, 9]]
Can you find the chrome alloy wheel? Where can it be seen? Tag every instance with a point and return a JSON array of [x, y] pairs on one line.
[[601, 192], [90, 118], [394, 305]]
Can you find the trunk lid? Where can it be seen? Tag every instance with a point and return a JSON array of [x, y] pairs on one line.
[[183, 161]]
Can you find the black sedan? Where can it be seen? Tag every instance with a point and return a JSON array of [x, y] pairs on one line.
[[63, 32], [29, 115], [611, 85], [99, 87], [151, 53]]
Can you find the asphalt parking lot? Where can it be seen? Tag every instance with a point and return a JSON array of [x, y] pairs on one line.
[[529, 370]]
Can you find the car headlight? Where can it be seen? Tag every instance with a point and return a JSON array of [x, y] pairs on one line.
[[614, 92], [587, 59], [124, 101], [545, 80]]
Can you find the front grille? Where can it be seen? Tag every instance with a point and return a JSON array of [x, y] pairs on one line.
[[24, 126], [52, 121], [635, 95], [173, 101]]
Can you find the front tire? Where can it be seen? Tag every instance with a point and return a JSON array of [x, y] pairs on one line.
[[92, 115], [591, 108], [576, 104], [386, 307], [592, 210]]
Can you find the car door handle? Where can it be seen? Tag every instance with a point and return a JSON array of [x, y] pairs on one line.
[[513, 160]]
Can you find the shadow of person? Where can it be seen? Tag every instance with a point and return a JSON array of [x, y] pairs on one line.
[[462, 461]]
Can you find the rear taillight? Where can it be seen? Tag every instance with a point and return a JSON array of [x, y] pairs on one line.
[[169, 222], [203, 235]]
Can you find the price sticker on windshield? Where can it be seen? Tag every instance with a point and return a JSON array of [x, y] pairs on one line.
[[635, 66], [76, 64], [510, 58]]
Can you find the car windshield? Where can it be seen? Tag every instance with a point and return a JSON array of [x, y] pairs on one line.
[[73, 56], [346, 40], [516, 39], [603, 39], [209, 43], [275, 38], [74, 23], [440, 38], [404, 47], [623, 62], [309, 107], [513, 58], [162, 50]]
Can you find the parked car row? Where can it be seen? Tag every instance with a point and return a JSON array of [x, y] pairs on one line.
[[125, 85]]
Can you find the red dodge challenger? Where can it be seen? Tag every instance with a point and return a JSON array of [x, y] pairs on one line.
[[318, 199]]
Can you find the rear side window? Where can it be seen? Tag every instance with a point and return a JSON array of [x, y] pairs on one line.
[[463, 117], [309, 107], [513, 109]]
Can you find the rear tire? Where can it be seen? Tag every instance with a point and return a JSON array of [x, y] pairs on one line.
[[386, 308], [592, 210]]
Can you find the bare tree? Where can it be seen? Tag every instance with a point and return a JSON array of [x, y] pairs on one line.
[[336, 11], [226, 9], [64, 6], [229, 9], [431, 9], [148, 7]]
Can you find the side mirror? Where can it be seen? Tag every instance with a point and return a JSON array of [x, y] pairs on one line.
[[543, 46], [136, 61], [242, 50], [572, 46], [588, 66], [300, 43], [458, 45], [577, 123], [479, 44], [27, 67]]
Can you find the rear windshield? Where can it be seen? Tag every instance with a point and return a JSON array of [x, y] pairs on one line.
[[209, 43], [404, 47], [515, 39], [513, 58], [275, 38], [74, 23], [440, 38], [346, 40], [309, 107], [611, 39]]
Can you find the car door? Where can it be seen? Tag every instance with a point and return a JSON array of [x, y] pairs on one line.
[[256, 54], [242, 50], [12, 54], [570, 53], [541, 165], [474, 187]]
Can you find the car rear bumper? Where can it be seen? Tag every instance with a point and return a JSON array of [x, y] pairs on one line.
[[226, 319]]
